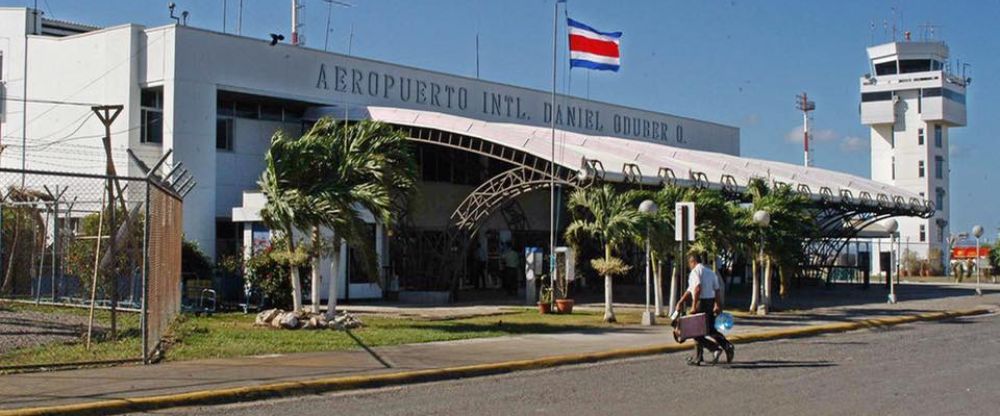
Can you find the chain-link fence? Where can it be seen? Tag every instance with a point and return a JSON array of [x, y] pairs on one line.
[[89, 267]]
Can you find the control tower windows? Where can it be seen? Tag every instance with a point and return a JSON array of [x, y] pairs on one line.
[[886, 68], [907, 66]]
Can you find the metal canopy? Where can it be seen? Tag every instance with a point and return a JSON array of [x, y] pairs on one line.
[[845, 204], [615, 159]]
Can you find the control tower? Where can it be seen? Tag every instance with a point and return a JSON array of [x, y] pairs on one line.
[[911, 98]]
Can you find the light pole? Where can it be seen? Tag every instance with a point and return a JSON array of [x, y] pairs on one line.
[[762, 219], [891, 226], [977, 231], [647, 208]]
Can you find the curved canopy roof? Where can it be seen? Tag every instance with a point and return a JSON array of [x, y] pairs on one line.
[[619, 160]]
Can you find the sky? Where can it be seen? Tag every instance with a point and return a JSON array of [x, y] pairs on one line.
[[737, 62]]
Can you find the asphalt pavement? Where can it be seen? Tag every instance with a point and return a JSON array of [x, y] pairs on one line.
[[931, 368]]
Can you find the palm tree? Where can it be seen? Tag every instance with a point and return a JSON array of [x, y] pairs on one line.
[[658, 228], [288, 184], [791, 222], [325, 179], [611, 217], [366, 165]]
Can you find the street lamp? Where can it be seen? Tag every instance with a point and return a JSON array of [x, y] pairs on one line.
[[978, 232], [763, 219], [647, 207], [891, 226]]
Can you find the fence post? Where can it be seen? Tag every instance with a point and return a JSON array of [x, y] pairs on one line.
[[144, 317]]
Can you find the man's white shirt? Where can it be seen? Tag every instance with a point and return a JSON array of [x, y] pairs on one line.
[[706, 279]]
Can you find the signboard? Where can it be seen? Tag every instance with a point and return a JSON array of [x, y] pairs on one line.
[[962, 253], [684, 221]]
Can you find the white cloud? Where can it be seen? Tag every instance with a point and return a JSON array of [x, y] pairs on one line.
[[818, 135], [852, 144]]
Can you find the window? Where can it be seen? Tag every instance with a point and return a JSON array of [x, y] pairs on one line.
[[876, 96], [954, 96], [224, 133], [920, 136], [939, 167], [938, 136], [907, 66], [923, 233], [151, 115], [920, 169], [939, 199], [931, 92], [885, 68]]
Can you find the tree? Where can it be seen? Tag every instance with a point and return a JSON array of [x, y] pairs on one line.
[[324, 179], [791, 223], [609, 216], [366, 165]]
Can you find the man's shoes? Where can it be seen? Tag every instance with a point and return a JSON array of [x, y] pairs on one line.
[[694, 361], [730, 352], [716, 355]]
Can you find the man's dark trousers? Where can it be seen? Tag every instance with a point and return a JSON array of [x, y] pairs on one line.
[[705, 306]]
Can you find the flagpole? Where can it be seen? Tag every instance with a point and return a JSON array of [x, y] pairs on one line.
[[552, 163]]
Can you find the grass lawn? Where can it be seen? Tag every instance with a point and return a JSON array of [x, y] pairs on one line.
[[233, 334], [128, 345]]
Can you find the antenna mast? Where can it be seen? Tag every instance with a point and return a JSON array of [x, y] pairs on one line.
[[803, 104], [295, 22]]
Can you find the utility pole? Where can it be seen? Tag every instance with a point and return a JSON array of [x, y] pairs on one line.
[[107, 114]]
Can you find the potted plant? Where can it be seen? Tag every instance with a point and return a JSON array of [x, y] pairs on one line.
[[564, 304], [545, 300]]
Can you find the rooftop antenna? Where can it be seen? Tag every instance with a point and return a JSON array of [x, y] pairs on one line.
[[296, 41], [239, 20], [225, 3], [894, 20], [329, 11], [350, 40], [803, 104]]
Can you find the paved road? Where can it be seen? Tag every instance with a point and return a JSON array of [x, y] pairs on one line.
[[949, 367]]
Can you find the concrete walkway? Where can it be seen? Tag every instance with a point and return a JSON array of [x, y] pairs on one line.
[[80, 386]]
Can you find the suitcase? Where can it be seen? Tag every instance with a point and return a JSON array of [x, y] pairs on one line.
[[690, 326]]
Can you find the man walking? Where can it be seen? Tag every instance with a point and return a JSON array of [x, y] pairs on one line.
[[706, 295]]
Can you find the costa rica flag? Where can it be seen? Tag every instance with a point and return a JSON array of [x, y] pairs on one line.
[[592, 49]]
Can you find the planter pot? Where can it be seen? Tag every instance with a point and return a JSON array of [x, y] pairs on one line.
[[544, 308], [564, 305]]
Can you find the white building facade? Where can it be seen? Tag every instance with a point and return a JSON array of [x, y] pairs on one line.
[[211, 102], [215, 100], [911, 100]]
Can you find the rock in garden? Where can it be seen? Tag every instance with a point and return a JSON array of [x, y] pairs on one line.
[[345, 321], [308, 324], [265, 317], [289, 321]]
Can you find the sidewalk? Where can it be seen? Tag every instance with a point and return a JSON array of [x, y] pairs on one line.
[[89, 385]]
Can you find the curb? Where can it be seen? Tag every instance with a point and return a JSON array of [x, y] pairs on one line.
[[324, 385]]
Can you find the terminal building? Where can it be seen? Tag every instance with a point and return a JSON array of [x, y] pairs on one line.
[[911, 100], [211, 101]]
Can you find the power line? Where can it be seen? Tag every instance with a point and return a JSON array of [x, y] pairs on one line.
[[53, 102], [131, 56]]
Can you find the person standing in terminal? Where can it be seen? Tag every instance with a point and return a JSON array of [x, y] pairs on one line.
[[706, 295], [511, 263]]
